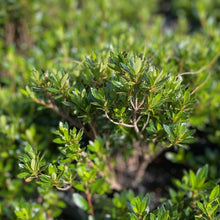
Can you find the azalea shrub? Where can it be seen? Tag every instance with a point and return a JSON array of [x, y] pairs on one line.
[[94, 93]]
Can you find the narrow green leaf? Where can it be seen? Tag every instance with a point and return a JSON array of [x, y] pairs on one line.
[[24, 92], [152, 216], [214, 193], [80, 201], [23, 175], [68, 103], [28, 148], [138, 65], [53, 90], [59, 141], [33, 164], [117, 84], [165, 216], [169, 132], [202, 208], [192, 178], [126, 67], [146, 201], [201, 176], [78, 186], [142, 207], [96, 94], [64, 79], [133, 216], [54, 176], [92, 147], [160, 212], [213, 208], [130, 207]]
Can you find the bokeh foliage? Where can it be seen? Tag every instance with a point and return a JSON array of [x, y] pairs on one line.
[[76, 38]]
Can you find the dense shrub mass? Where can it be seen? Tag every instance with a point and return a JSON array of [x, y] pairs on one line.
[[93, 92]]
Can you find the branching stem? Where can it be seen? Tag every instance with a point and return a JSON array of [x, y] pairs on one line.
[[64, 188], [118, 123], [93, 129], [65, 116], [143, 100], [202, 84], [201, 69], [146, 123], [89, 199]]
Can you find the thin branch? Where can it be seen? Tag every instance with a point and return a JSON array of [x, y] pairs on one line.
[[202, 84], [89, 199], [73, 122], [143, 99], [107, 142], [118, 123], [138, 119], [135, 119], [132, 103], [146, 123], [64, 116], [42, 103], [93, 130], [201, 69], [136, 127], [136, 101], [64, 188]]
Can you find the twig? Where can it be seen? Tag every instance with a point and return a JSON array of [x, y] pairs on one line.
[[64, 188], [138, 119], [202, 84], [135, 126], [136, 108], [146, 123], [132, 103], [135, 117], [136, 101], [93, 130], [201, 69], [118, 123], [64, 116], [143, 99], [89, 199]]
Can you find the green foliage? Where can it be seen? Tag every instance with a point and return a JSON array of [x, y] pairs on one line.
[[139, 209], [197, 196], [65, 173], [130, 96], [51, 208], [119, 110]]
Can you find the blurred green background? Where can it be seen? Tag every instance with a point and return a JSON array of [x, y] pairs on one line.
[[179, 36]]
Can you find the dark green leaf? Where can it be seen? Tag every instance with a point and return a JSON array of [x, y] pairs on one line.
[[53, 90]]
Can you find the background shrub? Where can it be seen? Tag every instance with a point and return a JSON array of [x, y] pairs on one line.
[[83, 64]]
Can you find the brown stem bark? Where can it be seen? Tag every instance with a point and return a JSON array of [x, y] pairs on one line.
[[89, 199], [67, 117]]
